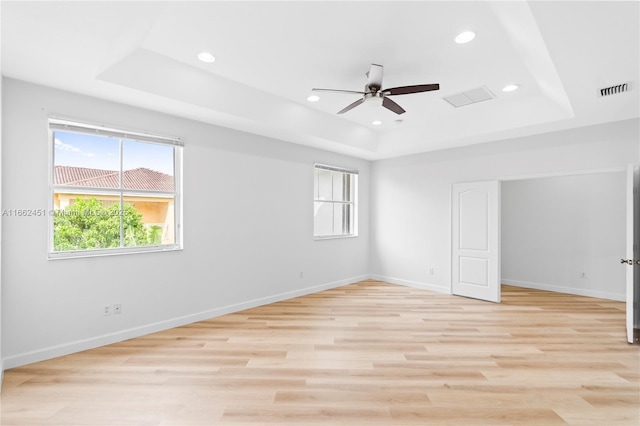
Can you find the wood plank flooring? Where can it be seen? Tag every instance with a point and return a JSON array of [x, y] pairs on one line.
[[369, 353]]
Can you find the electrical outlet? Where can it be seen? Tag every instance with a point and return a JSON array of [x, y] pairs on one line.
[[117, 309], [431, 270], [106, 310], [301, 274], [583, 275]]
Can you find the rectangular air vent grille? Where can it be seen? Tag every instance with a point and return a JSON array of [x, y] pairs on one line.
[[469, 97], [613, 90]]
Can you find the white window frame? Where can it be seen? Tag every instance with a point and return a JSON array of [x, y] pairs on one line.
[[85, 128], [353, 218]]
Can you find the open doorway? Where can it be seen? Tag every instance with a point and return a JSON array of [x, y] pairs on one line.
[[565, 234]]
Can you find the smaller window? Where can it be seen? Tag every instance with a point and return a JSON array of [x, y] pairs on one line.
[[334, 202]]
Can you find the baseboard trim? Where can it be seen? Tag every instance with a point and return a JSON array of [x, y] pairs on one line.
[[107, 339], [414, 284], [569, 290]]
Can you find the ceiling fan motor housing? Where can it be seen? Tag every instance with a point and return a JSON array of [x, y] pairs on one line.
[[373, 97]]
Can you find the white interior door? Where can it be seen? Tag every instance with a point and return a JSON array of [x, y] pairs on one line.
[[632, 257], [476, 240]]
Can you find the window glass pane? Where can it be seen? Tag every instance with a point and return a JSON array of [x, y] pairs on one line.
[[323, 218], [338, 218], [347, 218], [85, 222], [86, 160], [155, 215], [348, 187], [338, 185], [324, 185], [147, 166]]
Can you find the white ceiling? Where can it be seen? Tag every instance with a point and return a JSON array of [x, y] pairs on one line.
[[271, 54]]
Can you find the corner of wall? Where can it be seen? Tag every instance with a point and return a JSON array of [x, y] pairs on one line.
[[1, 362], [414, 284]]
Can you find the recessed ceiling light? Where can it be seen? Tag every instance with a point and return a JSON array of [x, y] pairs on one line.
[[510, 87], [206, 57], [465, 37], [376, 122], [313, 98]]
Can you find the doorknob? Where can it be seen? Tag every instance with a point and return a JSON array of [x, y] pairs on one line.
[[630, 262]]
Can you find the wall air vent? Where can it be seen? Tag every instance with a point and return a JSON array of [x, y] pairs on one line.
[[613, 90], [469, 97]]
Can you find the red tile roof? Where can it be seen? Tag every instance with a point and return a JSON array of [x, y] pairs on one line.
[[141, 178]]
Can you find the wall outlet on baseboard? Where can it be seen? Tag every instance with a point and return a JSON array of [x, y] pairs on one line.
[[106, 310], [583, 275], [431, 270]]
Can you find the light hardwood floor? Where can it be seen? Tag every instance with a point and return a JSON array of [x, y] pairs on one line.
[[367, 353]]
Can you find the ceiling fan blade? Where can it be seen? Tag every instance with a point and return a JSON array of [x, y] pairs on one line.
[[405, 90], [375, 76], [392, 106], [351, 106], [338, 91]]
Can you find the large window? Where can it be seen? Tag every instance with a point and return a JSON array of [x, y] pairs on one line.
[[335, 196], [112, 191]]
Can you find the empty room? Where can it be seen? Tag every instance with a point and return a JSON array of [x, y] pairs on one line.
[[309, 212]]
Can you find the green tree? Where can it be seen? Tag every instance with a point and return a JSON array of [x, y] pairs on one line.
[[88, 224], [154, 236]]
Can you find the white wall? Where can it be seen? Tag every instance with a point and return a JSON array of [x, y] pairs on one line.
[[555, 229], [248, 233], [411, 208]]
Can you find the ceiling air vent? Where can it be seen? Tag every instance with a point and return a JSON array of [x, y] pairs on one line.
[[613, 90], [469, 97]]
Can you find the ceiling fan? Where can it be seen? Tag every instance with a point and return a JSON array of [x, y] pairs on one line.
[[374, 94]]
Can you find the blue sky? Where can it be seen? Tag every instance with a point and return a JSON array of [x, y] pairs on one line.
[[100, 152]]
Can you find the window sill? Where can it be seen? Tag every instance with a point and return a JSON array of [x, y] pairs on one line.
[[80, 254], [334, 237]]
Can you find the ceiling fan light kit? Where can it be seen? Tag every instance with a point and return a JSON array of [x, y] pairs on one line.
[[374, 95], [373, 99]]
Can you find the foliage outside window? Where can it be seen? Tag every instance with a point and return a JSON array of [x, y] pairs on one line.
[[112, 191], [335, 195]]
